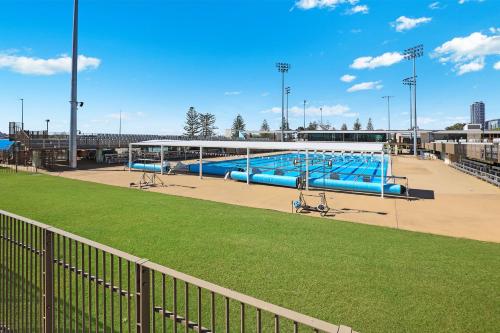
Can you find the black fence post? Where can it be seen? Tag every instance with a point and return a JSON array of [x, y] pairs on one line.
[[48, 250], [143, 305]]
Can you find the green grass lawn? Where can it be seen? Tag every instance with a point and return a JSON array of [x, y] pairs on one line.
[[370, 278]]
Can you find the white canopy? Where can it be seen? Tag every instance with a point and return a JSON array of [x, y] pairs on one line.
[[268, 145]]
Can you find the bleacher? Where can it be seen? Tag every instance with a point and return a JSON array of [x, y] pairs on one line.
[[483, 171]]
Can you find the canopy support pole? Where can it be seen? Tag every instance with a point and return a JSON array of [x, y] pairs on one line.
[[129, 157], [382, 177], [307, 170], [248, 166], [161, 159], [201, 162]]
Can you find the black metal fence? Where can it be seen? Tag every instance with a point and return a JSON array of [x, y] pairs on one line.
[[54, 281]]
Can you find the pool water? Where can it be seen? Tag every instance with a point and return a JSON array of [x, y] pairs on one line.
[[360, 172]]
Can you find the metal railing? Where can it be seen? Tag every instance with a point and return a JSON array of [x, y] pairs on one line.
[[474, 171], [55, 281]]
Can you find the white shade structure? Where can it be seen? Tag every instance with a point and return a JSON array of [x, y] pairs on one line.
[[305, 146], [362, 147]]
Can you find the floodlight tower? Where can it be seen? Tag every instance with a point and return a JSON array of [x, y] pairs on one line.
[[287, 91], [410, 81], [305, 114], [283, 68], [74, 99], [22, 113], [388, 98], [412, 54]]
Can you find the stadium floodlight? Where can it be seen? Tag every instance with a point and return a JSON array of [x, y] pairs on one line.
[[22, 113], [287, 91], [388, 114], [413, 53], [410, 81], [305, 114], [47, 121], [283, 68], [74, 100]]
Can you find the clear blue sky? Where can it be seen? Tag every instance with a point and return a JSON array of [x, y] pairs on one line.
[[155, 59]]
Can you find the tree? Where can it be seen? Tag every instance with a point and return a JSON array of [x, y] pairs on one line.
[[207, 124], [265, 126], [369, 126], [357, 125], [457, 126], [238, 125], [325, 126], [285, 123], [192, 127], [312, 126], [344, 127]]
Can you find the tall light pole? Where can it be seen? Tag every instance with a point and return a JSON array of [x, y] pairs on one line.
[[283, 68], [409, 81], [305, 114], [74, 98], [47, 121], [321, 117], [388, 98], [287, 90], [22, 113], [412, 54], [120, 131]]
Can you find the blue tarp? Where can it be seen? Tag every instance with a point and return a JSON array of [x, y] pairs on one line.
[[5, 144]]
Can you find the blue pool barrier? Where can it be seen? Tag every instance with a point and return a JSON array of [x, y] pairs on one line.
[[149, 167], [348, 185], [212, 169], [262, 178], [286, 170]]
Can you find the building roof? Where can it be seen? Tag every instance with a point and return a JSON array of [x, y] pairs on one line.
[[5, 144], [267, 145]]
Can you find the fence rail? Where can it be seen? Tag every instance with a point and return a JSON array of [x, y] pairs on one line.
[[55, 281]]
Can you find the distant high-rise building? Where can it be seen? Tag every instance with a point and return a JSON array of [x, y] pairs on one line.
[[492, 124], [477, 113]]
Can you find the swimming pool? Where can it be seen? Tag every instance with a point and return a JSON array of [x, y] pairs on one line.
[[352, 172]]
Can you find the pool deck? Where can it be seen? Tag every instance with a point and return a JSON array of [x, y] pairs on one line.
[[450, 203]]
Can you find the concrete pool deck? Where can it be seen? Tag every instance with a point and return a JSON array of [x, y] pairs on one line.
[[450, 203]]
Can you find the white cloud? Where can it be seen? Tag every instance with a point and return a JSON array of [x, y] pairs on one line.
[[435, 5], [347, 78], [116, 116], [468, 53], [311, 4], [425, 120], [51, 66], [328, 110], [366, 86], [497, 66], [358, 9], [406, 23], [464, 1], [232, 93], [494, 30], [265, 94], [386, 59], [473, 66]]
